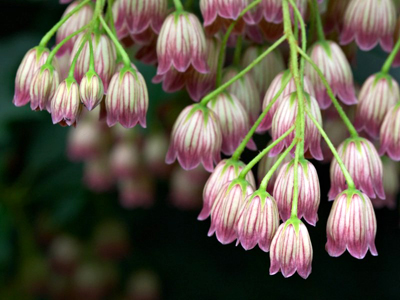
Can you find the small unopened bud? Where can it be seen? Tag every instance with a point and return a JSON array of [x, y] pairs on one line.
[[43, 87], [91, 90]]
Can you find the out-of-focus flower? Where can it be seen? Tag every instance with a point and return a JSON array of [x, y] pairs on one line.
[[329, 57], [196, 138], [64, 254], [143, 285], [378, 94], [285, 118], [369, 22], [291, 250], [125, 159], [390, 133], [97, 175], [352, 225], [308, 195], [136, 191], [364, 165], [154, 150], [273, 9], [390, 185]]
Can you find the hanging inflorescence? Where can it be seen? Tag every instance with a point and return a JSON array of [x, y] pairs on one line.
[[238, 95]]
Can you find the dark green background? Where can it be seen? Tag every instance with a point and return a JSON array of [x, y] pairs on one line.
[[36, 177]]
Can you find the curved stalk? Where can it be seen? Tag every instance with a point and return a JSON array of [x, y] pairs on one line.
[[389, 61]]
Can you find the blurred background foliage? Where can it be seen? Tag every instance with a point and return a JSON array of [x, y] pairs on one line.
[[59, 240]]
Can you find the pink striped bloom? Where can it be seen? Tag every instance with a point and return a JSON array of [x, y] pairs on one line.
[[258, 221], [172, 81], [273, 9], [104, 58], [285, 118], [43, 86], [196, 138], [351, 225], [127, 99], [66, 105], [378, 94], [91, 90], [329, 57], [264, 72], [291, 250], [309, 191], [181, 43], [246, 92], [225, 171], [369, 22], [273, 89], [32, 61], [226, 208], [233, 120], [390, 133], [75, 22], [364, 165]]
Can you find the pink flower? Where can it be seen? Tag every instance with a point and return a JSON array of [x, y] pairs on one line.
[[91, 90], [125, 159], [43, 86], [285, 118], [75, 22], [390, 137], [369, 22], [258, 221], [309, 191], [225, 171], [127, 99], [329, 57], [264, 72], [273, 89], [136, 192], [246, 92], [364, 165], [233, 120], [97, 176], [273, 9], [352, 225], [291, 250], [226, 208], [181, 43], [32, 61], [66, 105], [378, 94], [196, 137]]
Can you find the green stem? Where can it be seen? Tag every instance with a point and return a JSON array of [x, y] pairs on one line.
[[347, 122], [78, 53], [220, 89], [111, 17], [253, 129], [60, 44], [238, 51], [225, 40], [178, 5], [53, 30], [318, 22], [267, 177], [255, 160], [91, 61], [114, 39], [349, 179], [389, 61], [300, 119]]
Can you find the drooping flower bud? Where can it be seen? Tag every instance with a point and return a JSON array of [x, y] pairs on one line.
[[364, 165], [225, 171], [233, 120], [390, 138], [258, 221], [378, 94], [291, 250], [285, 118], [369, 22], [104, 58], [329, 57], [226, 208], [264, 72], [181, 43], [308, 187], [136, 191], [31, 62], [273, 9], [246, 92], [66, 105], [74, 23], [273, 89], [196, 138], [142, 14], [154, 150], [127, 99], [43, 86], [352, 225], [91, 90]]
